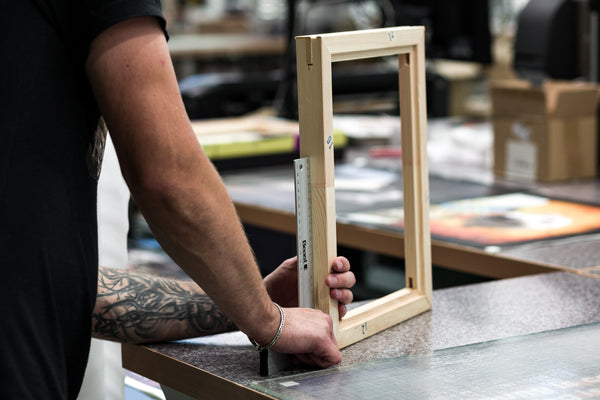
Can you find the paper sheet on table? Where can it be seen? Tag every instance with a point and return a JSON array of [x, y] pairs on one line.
[[236, 338], [350, 177]]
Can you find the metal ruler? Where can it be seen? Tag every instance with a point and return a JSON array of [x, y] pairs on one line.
[[272, 362], [304, 233]]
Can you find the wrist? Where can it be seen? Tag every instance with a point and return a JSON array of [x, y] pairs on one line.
[[261, 343]]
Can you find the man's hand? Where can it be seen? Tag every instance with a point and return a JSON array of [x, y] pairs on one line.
[[282, 284], [308, 335]]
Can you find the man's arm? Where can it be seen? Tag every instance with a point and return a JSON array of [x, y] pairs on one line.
[[180, 193], [138, 308]]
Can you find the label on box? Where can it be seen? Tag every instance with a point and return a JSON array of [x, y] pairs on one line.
[[521, 160], [520, 131]]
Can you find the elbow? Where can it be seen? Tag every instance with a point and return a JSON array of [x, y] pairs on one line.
[[153, 187]]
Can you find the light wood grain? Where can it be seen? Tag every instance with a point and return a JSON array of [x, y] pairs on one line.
[[315, 54], [414, 169], [315, 116]]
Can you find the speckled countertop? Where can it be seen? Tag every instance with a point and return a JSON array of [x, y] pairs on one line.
[[460, 316]]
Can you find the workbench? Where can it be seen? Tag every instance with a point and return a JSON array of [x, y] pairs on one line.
[[212, 45], [192, 52], [561, 289], [461, 316], [264, 198]]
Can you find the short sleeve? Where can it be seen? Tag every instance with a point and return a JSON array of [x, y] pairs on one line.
[[102, 14]]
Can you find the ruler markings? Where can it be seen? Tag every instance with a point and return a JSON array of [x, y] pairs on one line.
[[304, 233]]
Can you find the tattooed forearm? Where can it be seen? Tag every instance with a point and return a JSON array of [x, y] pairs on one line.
[[134, 307]]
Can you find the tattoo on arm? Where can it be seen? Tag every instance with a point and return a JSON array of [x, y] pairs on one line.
[[134, 307]]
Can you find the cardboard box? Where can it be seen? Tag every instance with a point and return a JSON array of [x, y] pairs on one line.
[[545, 133]]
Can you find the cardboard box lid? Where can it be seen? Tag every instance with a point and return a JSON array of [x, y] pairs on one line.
[[552, 98]]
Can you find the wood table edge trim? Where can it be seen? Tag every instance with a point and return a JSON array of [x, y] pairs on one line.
[[183, 377]]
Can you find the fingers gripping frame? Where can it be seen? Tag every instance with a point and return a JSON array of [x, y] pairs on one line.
[[315, 54]]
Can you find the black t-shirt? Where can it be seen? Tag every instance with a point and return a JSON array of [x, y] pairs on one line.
[[48, 174]]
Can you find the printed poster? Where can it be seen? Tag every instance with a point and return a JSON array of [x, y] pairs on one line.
[[496, 220]]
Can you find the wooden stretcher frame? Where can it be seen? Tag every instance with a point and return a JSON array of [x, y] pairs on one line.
[[315, 54]]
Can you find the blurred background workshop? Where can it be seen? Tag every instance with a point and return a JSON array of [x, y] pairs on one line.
[[512, 110]]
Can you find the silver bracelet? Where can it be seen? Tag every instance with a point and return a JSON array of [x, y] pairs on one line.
[[257, 346]]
